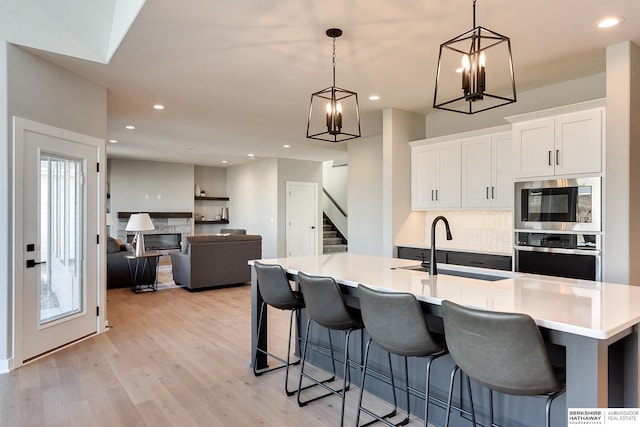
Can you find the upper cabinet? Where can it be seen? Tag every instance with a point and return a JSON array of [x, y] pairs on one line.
[[566, 144], [487, 171], [435, 175]]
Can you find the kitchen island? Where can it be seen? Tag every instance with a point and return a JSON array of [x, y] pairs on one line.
[[595, 323]]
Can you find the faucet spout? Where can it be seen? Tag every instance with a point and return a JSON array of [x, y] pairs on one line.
[[433, 268]]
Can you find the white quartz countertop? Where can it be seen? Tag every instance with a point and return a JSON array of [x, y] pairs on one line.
[[460, 247], [593, 309]]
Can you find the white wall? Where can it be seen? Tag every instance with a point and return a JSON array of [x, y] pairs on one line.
[[365, 195], [253, 204], [35, 89], [441, 123], [622, 180], [398, 222]]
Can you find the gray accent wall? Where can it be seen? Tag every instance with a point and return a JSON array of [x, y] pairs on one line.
[[143, 186]]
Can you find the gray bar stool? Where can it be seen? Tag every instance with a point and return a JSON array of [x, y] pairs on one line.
[[395, 322], [504, 352], [276, 292], [326, 307]]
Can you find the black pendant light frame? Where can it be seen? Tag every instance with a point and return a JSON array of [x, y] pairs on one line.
[[479, 40], [334, 95]]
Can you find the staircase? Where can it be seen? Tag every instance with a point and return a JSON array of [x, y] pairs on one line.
[[332, 240]]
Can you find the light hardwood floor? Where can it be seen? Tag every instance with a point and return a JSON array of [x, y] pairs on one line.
[[171, 358]]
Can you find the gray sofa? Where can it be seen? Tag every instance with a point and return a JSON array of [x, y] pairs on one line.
[[214, 260], [117, 268]]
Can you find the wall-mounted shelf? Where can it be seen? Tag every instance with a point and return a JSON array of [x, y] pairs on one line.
[[126, 215], [224, 199], [221, 221]]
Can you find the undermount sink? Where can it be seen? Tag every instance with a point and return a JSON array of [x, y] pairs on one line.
[[460, 273]]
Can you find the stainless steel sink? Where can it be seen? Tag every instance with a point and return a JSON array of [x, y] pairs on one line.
[[459, 273]]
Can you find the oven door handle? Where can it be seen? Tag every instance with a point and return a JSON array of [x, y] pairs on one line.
[[592, 252]]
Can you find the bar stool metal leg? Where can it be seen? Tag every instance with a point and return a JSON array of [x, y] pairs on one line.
[[361, 408], [285, 363]]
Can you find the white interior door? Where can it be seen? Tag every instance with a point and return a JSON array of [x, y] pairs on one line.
[[302, 218], [59, 251]]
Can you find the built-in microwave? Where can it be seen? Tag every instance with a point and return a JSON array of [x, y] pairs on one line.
[[560, 204]]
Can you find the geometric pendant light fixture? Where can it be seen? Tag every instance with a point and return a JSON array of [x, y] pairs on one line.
[[334, 114], [475, 72]]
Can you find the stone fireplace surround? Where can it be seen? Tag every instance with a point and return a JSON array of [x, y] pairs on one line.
[[164, 222]]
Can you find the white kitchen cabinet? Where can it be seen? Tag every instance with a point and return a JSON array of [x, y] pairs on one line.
[[567, 144], [436, 176], [487, 171]]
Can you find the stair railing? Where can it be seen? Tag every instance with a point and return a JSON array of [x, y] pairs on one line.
[[336, 204]]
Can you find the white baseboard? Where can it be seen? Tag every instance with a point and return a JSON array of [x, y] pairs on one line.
[[6, 365]]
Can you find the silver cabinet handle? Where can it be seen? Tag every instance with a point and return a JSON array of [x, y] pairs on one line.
[[493, 192], [549, 157], [557, 157], [436, 194], [487, 193], [432, 195]]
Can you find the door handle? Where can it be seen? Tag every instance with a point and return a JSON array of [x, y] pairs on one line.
[[432, 195], [549, 157], [493, 194], [557, 157], [436, 195], [487, 192], [32, 263]]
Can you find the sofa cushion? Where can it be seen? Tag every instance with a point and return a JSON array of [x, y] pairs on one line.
[[209, 238], [241, 237], [112, 245]]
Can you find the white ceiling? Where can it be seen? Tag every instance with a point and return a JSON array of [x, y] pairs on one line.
[[236, 76]]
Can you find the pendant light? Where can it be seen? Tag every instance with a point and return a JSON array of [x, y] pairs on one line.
[[475, 72], [334, 115]]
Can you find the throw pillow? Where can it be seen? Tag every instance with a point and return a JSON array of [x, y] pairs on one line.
[[112, 245]]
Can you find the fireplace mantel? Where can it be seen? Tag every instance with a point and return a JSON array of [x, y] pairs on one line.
[[126, 215]]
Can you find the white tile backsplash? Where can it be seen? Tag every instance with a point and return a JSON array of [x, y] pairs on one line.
[[473, 228]]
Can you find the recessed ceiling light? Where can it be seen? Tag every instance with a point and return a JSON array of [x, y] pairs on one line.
[[374, 98], [130, 127], [159, 107], [113, 141], [224, 161], [251, 155], [286, 146], [609, 22]]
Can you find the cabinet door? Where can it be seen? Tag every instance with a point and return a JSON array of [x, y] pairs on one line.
[[449, 169], [423, 177], [476, 172], [533, 148], [502, 181], [578, 143]]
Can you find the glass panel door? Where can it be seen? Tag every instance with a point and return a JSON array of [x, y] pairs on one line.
[[61, 228]]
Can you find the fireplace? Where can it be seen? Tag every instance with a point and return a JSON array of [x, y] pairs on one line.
[[159, 241], [177, 225]]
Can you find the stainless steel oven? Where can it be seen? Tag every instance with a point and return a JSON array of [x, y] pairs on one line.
[[559, 205], [573, 255]]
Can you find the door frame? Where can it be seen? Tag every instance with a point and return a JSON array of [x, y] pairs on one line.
[[318, 240], [20, 126]]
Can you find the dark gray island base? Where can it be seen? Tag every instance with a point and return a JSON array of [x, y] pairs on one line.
[[601, 360]]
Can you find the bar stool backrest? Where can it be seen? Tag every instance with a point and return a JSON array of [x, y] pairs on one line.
[[274, 287], [325, 303], [396, 323], [502, 351]]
